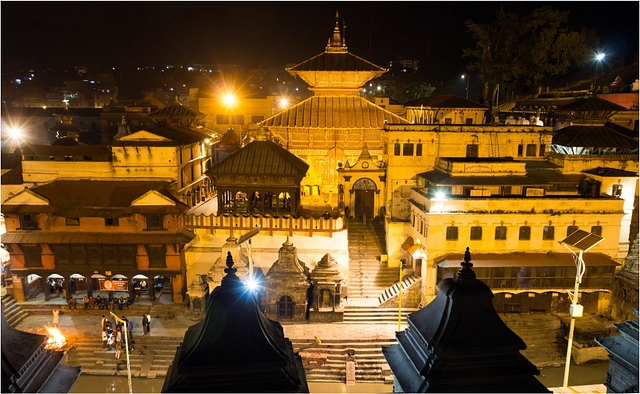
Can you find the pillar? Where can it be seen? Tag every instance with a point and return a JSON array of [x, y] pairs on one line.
[[19, 288]]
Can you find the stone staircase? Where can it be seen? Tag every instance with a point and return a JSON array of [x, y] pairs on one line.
[[368, 276], [12, 311], [374, 315], [542, 333], [326, 362], [150, 358], [393, 290]]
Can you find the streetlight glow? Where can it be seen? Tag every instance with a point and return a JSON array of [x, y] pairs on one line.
[[284, 102], [15, 132], [229, 99], [466, 76], [600, 56]]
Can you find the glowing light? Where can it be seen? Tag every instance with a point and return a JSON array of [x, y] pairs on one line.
[[15, 132], [229, 99], [440, 195], [599, 56], [252, 284], [284, 102], [56, 339]]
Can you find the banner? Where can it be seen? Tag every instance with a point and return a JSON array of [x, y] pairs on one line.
[[113, 285]]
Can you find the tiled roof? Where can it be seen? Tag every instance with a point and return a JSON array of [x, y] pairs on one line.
[[176, 111], [180, 135], [261, 158], [610, 172], [334, 112], [12, 177], [336, 62], [93, 198], [446, 101], [593, 137], [182, 236], [591, 103]]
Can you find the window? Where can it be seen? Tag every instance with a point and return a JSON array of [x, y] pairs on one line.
[[418, 149], [257, 118], [28, 221], [520, 149], [62, 255], [524, 233], [407, 149], [79, 254], [531, 149], [111, 221], [396, 149], [285, 307], [94, 254], [447, 120], [468, 121], [157, 257], [543, 150], [548, 233], [476, 233], [32, 256], [154, 222], [501, 232], [571, 230], [73, 221], [616, 190], [224, 119], [452, 233], [472, 150], [597, 230], [127, 254]]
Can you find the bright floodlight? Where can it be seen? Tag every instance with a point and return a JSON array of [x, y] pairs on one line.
[[229, 99], [15, 132], [252, 284], [284, 102], [599, 56], [463, 76], [440, 195]]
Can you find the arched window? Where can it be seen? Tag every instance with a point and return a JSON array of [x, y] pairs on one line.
[[285, 307]]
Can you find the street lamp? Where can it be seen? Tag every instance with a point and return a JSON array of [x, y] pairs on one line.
[[599, 58], [581, 241], [466, 76], [229, 101]]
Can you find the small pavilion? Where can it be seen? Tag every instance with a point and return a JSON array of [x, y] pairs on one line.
[[262, 177]]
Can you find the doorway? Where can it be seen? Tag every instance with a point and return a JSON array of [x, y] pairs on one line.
[[364, 205]]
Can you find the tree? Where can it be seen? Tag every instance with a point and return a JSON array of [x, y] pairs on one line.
[[410, 87], [522, 52]]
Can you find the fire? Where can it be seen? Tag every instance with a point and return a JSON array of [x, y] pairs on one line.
[[56, 339]]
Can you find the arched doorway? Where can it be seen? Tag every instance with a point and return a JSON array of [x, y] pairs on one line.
[[77, 285], [161, 285], [364, 204], [54, 281]]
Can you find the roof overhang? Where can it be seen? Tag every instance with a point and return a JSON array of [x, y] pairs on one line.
[[489, 260]]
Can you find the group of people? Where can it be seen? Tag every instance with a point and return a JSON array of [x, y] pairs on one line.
[[113, 336], [104, 303]]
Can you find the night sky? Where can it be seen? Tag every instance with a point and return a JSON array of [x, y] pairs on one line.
[[251, 34]]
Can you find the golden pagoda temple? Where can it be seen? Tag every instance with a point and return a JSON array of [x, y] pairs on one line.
[[333, 125]]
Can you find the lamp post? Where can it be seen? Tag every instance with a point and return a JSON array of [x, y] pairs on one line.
[[466, 76], [599, 58], [400, 296], [582, 241]]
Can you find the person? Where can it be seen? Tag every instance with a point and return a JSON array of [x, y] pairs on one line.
[[98, 302], [120, 303], [145, 324], [55, 317], [104, 339], [119, 334], [72, 304], [118, 350], [85, 302], [327, 215], [92, 302], [130, 329], [127, 302], [149, 323], [103, 322]]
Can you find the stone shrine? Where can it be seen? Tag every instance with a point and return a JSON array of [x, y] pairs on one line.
[[458, 343], [327, 284], [623, 358], [287, 286]]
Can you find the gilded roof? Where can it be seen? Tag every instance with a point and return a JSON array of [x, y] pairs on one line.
[[327, 61], [176, 111], [179, 135], [334, 112], [591, 103], [261, 158]]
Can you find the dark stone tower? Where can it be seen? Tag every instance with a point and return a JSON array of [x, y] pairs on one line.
[[458, 343]]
